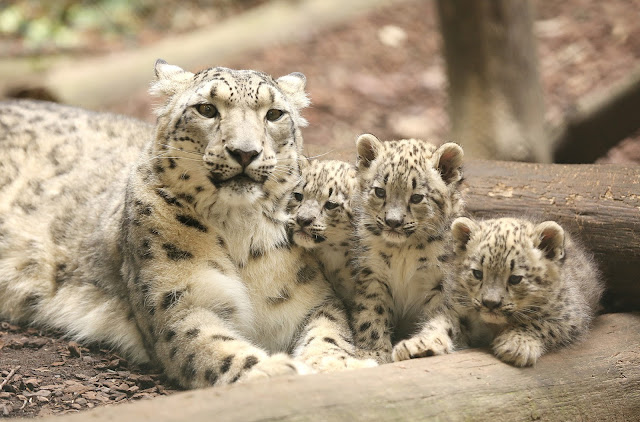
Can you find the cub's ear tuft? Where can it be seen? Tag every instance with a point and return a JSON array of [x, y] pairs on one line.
[[549, 238], [368, 147], [293, 86], [462, 228], [170, 79], [448, 160]]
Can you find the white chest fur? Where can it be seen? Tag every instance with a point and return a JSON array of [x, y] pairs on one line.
[[269, 270], [279, 301], [412, 274]]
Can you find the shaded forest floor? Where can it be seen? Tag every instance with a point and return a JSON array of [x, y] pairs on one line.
[[380, 73]]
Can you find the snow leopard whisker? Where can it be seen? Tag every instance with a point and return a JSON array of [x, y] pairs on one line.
[[318, 155], [520, 317], [161, 156], [286, 172], [181, 150], [281, 170]]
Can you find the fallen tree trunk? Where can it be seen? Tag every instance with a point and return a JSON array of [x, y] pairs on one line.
[[599, 122], [598, 203], [598, 379]]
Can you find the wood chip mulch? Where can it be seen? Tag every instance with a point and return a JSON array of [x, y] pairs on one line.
[[61, 376]]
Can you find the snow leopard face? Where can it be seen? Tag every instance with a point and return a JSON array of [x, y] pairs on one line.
[[407, 187], [234, 132], [321, 205], [506, 268]]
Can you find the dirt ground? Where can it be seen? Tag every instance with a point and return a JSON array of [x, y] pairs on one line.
[[381, 73]]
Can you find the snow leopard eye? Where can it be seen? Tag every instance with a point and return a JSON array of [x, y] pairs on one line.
[[331, 205], [477, 274], [207, 110], [298, 196], [380, 193], [274, 114], [416, 198], [515, 279]]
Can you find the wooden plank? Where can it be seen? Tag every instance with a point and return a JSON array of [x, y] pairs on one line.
[[598, 379], [598, 203]]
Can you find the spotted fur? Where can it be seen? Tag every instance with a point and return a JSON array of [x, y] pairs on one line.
[[169, 244], [322, 219], [522, 287], [407, 199]]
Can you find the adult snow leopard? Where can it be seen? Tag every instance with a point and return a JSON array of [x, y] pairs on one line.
[[169, 244]]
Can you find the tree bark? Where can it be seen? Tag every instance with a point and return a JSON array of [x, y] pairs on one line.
[[599, 204], [496, 104], [598, 379]]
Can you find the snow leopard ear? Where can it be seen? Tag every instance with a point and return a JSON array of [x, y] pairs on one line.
[[170, 79], [293, 85], [462, 228], [368, 147], [304, 162], [448, 160], [549, 238]]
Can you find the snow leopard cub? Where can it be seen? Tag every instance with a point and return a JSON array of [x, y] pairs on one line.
[[322, 219], [525, 288], [407, 200]]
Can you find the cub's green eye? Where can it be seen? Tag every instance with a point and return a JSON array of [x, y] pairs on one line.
[[515, 279], [477, 274], [380, 193], [416, 198], [298, 196], [207, 110], [274, 114], [330, 205]]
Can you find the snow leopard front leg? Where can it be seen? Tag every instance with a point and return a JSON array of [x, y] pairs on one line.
[[519, 345], [343, 284], [372, 315], [190, 304], [326, 341], [437, 336], [189, 321]]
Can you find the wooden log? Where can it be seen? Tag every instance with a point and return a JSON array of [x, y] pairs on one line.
[[598, 203], [599, 121], [598, 379]]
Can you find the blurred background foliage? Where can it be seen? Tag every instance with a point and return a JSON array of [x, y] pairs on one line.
[[382, 71], [30, 27]]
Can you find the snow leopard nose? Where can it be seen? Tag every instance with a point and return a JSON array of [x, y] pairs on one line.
[[304, 221], [491, 303], [244, 158], [393, 222]]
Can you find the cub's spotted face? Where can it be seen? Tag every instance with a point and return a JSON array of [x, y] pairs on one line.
[[407, 186], [506, 269], [234, 133], [320, 206]]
